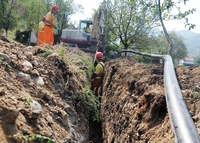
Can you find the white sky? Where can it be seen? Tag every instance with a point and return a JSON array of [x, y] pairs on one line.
[[194, 18]]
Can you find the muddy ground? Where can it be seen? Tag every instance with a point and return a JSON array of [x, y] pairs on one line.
[[41, 98]]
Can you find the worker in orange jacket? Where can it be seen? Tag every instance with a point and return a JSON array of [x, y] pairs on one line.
[[98, 74], [40, 40], [49, 25]]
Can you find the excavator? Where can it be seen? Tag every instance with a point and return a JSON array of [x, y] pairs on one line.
[[88, 40]]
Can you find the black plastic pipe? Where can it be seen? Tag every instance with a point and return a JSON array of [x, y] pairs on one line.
[[182, 124]]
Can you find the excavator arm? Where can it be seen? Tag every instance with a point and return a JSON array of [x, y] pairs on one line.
[[98, 31]]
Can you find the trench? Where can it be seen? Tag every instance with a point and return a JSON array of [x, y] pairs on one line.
[[95, 132]]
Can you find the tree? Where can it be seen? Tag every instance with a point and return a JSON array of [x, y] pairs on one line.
[[8, 16], [197, 60], [66, 9], [32, 13], [168, 5], [129, 22], [179, 50]]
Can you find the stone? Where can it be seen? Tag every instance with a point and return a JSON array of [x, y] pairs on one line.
[[38, 81], [27, 64]]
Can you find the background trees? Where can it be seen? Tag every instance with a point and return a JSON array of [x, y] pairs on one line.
[[8, 16], [129, 24], [160, 45], [25, 15]]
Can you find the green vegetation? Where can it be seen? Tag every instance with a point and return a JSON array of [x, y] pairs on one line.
[[21, 15], [27, 101], [6, 65], [91, 103], [33, 138], [130, 27], [196, 95]]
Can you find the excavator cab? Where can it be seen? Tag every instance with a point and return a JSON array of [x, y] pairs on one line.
[[85, 26], [80, 36]]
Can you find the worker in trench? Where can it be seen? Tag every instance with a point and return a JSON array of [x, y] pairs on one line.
[[49, 25], [98, 74], [41, 35]]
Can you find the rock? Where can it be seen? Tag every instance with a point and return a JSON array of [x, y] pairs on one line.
[[5, 57], [36, 110], [36, 114], [38, 81], [35, 63], [11, 116], [48, 96], [27, 64], [36, 106], [29, 55], [49, 119], [24, 76], [35, 73]]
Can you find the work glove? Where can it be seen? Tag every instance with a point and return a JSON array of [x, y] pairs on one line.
[[57, 28]]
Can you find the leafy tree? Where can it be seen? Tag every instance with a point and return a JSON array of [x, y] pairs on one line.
[[8, 16], [179, 50], [197, 60], [32, 13], [167, 6], [66, 9], [129, 22]]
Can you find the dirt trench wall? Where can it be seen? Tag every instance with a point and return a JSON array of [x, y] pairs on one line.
[[133, 107]]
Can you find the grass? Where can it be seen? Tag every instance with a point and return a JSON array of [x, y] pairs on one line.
[[32, 138], [91, 104], [6, 65], [196, 95]]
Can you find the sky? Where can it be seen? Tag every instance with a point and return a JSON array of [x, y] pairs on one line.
[[170, 25]]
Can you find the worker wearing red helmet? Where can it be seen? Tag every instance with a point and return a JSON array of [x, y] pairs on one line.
[[99, 72], [40, 40], [49, 37]]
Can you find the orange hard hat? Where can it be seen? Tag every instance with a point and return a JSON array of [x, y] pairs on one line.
[[55, 7], [99, 55]]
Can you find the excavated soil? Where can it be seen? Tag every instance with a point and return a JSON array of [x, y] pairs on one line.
[[133, 108], [42, 95]]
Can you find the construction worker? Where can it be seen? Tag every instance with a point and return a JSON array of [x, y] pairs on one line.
[[98, 74], [40, 40], [88, 30], [49, 24]]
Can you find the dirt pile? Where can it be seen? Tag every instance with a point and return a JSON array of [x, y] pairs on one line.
[[40, 95], [133, 107]]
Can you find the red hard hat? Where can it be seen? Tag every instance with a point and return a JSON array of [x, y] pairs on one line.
[[55, 7], [44, 18], [99, 55]]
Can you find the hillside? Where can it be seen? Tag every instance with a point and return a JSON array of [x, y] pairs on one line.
[[44, 97], [191, 41]]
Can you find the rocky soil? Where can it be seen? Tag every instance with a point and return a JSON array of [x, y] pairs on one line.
[[41, 98]]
